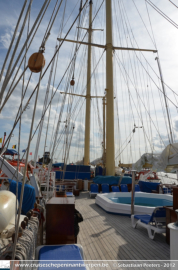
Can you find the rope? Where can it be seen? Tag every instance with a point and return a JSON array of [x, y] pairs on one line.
[[44, 108], [50, 27], [162, 13], [173, 3], [59, 34], [10, 91], [16, 46], [47, 32], [26, 162], [143, 105], [17, 119], [76, 43]]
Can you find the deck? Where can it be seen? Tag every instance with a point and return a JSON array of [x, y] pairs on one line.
[[105, 236]]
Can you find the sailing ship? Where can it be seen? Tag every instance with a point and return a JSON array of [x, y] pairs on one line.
[[61, 89]]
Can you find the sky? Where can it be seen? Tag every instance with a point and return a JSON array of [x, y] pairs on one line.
[[138, 101]]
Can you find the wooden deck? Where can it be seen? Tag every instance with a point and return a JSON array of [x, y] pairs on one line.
[[105, 236]]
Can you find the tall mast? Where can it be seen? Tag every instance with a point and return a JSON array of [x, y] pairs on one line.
[[164, 92], [87, 117], [110, 162]]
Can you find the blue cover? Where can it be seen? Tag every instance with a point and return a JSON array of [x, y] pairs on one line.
[[112, 180], [10, 152], [98, 171], [57, 165], [73, 175], [147, 186], [143, 218], [78, 168], [67, 254], [28, 197]]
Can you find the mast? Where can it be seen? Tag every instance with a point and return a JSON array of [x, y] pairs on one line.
[[164, 92], [104, 145], [110, 162], [88, 103]]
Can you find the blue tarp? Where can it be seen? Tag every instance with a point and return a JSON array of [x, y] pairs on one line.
[[73, 168], [77, 168], [72, 175], [112, 180], [57, 165], [28, 197], [148, 186], [11, 152], [98, 170]]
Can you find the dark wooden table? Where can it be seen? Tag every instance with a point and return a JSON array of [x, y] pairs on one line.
[[60, 221]]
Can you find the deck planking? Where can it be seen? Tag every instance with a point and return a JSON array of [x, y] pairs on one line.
[[105, 236]]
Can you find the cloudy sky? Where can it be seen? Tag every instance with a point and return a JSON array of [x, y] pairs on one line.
[[138, 93]]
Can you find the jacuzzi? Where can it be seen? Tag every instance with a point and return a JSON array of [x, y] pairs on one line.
[[118, 202]]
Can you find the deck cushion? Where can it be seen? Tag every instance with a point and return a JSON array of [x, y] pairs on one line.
[[68, 254], [143, 218]]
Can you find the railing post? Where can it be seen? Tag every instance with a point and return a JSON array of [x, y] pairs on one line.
[[133, 192]]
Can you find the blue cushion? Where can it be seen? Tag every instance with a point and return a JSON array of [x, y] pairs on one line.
[[69, 254], [115, 189], [143, 218], [105, 188], [124, 188], [94, 188], [137, 188]]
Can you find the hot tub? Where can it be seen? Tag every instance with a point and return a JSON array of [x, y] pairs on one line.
[[120, 203]]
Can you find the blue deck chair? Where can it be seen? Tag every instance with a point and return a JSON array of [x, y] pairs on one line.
[[137, 188], [67, 253], [69, 194], [166, 190], [115, 189], [105, 188], [58, 187], [156, 223], [124, 188], [93, 189]]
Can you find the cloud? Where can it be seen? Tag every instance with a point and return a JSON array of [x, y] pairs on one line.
[[176, 125], [5, 40]]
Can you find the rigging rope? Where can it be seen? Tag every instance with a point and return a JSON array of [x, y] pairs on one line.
[[173, 3], [24, 175], [16, 121], [21, 52], [78, 32], [11, 44], [162, 13], [142, 103]]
